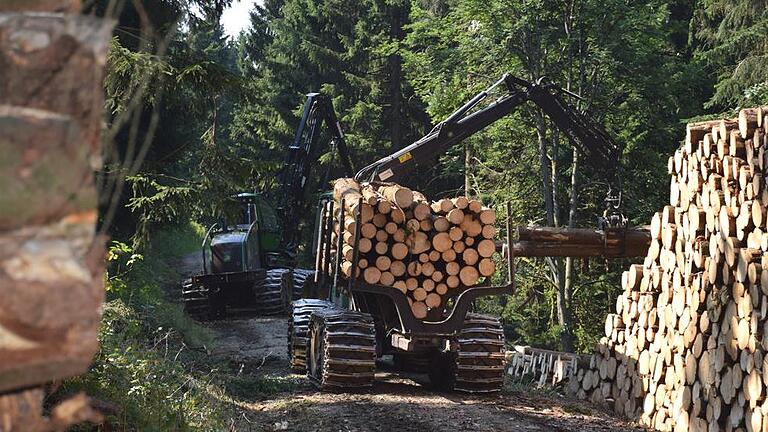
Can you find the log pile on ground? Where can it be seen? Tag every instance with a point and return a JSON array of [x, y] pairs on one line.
[[425, 249], [686, 347]]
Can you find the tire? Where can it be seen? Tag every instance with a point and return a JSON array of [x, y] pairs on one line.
[[303, 280], [341, 349], [298, 329], [271, 294], [200, 302], [479, 362]]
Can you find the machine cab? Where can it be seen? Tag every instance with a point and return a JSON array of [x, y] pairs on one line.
[[236, 248]]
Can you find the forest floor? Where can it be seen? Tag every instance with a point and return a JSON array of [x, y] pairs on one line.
[[267, 396]]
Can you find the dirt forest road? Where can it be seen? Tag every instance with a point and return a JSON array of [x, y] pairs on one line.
[[394, 404], [257, 349]]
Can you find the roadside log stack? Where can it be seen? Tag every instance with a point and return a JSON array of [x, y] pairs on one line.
[[425, 249], [686, 347]]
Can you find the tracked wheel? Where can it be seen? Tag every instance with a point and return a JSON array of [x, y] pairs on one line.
[[298, 328], [480, 358], [200, 302], [273, 294], [302, 281], [341, 349]]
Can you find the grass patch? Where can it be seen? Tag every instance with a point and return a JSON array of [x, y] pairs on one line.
[[139, 370], [253, 388], [152, 363]]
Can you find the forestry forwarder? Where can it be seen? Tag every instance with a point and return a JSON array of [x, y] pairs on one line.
[[338, 340], [252, 265]]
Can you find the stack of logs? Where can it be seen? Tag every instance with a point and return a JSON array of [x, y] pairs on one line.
[[686, 346], [424, 249], [51, 261]]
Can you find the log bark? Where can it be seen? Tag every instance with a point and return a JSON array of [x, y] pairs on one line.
[[51, 122], [577, 242]]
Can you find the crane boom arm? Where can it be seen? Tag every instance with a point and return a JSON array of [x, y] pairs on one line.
[[300, 161], [591, 140]]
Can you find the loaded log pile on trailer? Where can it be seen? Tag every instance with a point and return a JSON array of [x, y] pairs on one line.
[[686, 346], [425, 249]]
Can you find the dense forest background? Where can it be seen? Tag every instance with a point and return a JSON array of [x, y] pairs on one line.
[[195, 116]]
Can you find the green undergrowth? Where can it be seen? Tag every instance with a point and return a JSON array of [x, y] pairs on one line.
[[152, 367], [254, 388]]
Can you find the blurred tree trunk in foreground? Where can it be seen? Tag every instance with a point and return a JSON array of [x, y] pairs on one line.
[[51, 261]]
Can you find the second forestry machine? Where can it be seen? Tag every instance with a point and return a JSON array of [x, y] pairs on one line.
[[251, 264], [339, 339]]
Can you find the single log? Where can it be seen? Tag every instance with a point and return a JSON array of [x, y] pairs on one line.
[[747, 122], [469, 275], [381, 247], [486, 248], [448, 256], [455, 216], [419, 310], [475, 206], [428, 285], [347, 189], [695, 132], [399, 251], [470, 256], [486, 267], [372, 275], [442, 206], [434, 256], [456, 233], [379, 220], [419, 294], [433, 300], [412, 283], [441, 224], [489, 231], [387, 278], [575, 242], [397, 268], [422, 211], [488, 216], [460, 202], [390, 228], [368, 230], [383, 263], [372, 198], [400, 195], [442, 242], [365, 245], [419, 242]]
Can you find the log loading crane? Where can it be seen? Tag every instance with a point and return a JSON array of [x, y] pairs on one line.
[[338, 339], [252, 264]]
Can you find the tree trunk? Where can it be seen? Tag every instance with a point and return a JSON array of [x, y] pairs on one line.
[[564, 304], [545, 168], [467, 168], [395, 75]]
